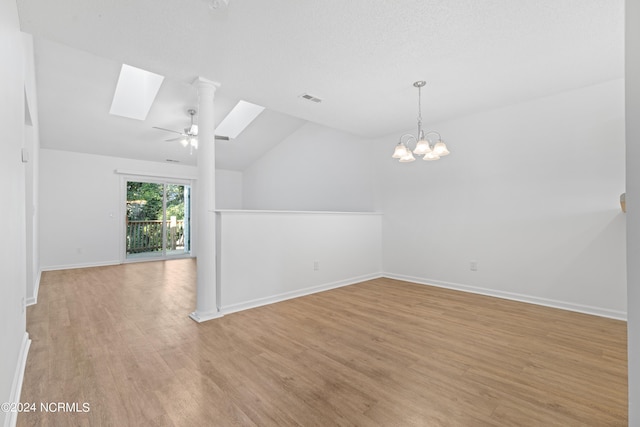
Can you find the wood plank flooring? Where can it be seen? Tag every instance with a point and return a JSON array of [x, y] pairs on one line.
[[378, 353]]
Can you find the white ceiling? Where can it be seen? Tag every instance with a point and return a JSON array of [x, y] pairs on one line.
[[360, 56]]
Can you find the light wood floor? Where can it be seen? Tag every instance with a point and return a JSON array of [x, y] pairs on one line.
[[382, 352]]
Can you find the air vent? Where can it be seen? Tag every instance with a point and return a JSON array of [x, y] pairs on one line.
[[311, 98], [173, 161]]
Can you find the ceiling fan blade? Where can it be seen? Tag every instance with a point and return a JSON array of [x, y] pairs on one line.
[[217, 137], [168, 130]]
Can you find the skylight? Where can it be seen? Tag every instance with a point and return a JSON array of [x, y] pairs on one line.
[[135, 92], [238, 119]]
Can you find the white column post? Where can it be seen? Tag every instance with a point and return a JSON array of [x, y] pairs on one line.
[[206, 296]]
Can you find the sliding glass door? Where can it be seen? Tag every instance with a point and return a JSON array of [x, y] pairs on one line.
[[158, 220]]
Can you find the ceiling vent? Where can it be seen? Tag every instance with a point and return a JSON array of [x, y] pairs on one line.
[[173, 161], [311, 98]]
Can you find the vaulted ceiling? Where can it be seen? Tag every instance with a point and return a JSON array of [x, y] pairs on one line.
[[359, 56]]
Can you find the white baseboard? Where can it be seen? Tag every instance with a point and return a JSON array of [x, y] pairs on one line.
[[596, 311], [295, 294], [204, 317], [33, 300], [18, 377], [81, 265]]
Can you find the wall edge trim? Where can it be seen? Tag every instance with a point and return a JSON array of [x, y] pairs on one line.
[[33, 300], [259, 302], [80, 265], [563, 305], [18, 378]]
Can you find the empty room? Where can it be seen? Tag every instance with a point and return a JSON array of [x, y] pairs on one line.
[[373, 213]]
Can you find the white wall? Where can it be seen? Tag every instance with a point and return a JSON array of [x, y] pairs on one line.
[[12, 216], [80, 206], [632, 92], [269, 256], [315, 168], [32, 146], [228, 189], [530, 192]]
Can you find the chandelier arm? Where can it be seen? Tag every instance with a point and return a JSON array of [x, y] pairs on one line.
[[433, 131], [409, 138]]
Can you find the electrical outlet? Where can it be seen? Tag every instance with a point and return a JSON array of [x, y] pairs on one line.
[[473, 265], [316, 265]]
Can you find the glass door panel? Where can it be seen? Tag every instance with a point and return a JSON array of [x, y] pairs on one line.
[[158, 216], [177, 228]]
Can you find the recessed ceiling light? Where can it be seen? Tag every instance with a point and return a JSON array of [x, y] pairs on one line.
[[238, 119], [135, 92]]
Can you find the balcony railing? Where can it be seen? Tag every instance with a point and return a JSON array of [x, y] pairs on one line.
[[146, 236]]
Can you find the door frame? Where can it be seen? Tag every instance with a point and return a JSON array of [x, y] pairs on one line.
[[155, 179]]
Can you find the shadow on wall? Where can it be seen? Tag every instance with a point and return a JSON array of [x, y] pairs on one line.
[[595, 265]]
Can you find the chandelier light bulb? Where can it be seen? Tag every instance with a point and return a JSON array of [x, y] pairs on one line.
[[407, 157], [431, 156], [400, 151], [422, 147], [440, 149]]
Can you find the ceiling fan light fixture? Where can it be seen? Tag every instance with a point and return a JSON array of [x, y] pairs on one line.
[[189, 138]]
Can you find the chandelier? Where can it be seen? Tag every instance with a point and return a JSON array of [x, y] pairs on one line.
[[431, 149]]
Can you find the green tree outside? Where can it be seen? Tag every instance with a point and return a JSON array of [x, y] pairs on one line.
[[144, 201]]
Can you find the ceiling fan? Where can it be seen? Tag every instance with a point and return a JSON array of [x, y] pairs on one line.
[[190, 135]]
